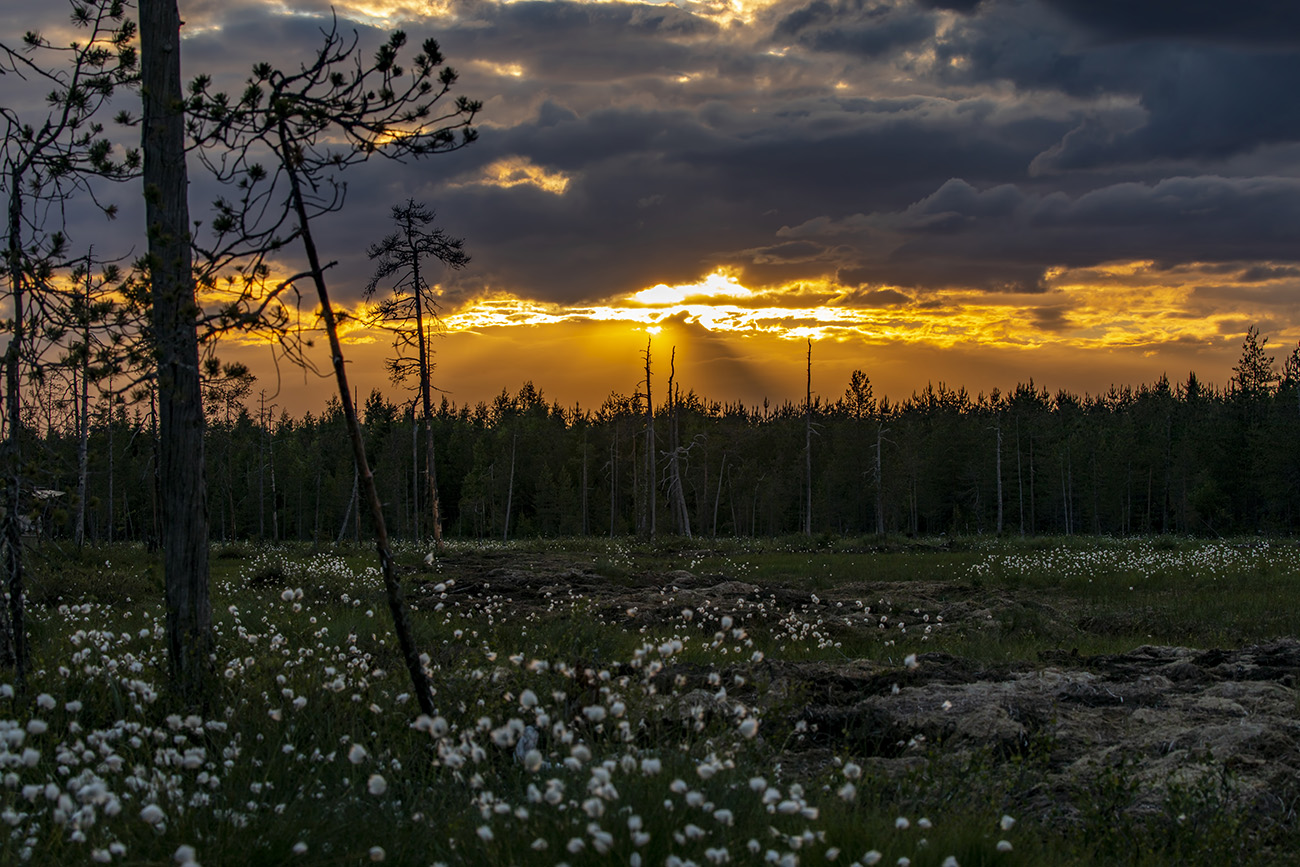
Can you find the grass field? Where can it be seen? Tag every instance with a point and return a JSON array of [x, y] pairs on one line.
[[669, 687]]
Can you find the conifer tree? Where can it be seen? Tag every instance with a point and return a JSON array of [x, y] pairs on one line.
[[44, 160], [412, 310], [334, 112]]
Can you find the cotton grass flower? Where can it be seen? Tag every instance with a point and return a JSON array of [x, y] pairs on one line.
[[377, 853], [376, 785], [1004, 846]]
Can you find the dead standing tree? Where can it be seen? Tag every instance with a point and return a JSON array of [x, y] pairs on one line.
[[412, 309], [334, 112], [675, 453], [648, 503], [807, 448]]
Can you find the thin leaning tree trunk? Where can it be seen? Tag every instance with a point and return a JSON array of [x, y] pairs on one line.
[[392, 588]]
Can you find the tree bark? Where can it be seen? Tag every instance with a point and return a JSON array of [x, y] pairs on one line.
[[110, 461], [83, 443], [880, 486], [674, 451], [13, 641], [999, 471], [510, 489], [392, 588], [718, 497], [180, 403], [807, 448], [649, 449]]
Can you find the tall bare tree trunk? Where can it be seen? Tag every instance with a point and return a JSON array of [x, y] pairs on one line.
[[613, 480], [649, 448], [999, 470], [430, 466], [13, 638], [674, 452], [83, 446], [83, 420], [180, 403], [718, 497], [415, 475], [807, 448], [261, 468], [510, 488], [880, 481], [1020, 482], [352, 503], [110, 461], [275, 510]]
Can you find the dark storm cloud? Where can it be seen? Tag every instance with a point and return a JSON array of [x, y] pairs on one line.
[[1051, 318], [1209, 103], [855, 26], [1210, 83], [964, 6], [914, 143], [1263, 273], [1004, 237], [715, 188], [789, 252], [578, 42], [1247, 21], [874, 298]]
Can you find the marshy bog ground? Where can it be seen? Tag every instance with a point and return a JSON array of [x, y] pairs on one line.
[[911, 702], [1199, 722]]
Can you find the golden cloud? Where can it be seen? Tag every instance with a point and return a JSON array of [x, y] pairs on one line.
[[520, 171]]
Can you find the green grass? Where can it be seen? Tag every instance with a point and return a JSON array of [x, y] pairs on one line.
[[252, 774]]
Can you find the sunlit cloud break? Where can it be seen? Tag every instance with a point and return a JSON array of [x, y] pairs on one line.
[[520, 171], [1077, 310]]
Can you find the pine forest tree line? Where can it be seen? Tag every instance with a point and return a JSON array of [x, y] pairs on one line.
[[1161, 458]]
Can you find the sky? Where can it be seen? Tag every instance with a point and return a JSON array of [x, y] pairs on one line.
[[977, 192]]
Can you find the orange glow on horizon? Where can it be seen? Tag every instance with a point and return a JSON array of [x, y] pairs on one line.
[[1131, 304], [1091, 327], [1121, 304]]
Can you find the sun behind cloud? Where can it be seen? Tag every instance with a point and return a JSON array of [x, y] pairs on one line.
[[719, 284]]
